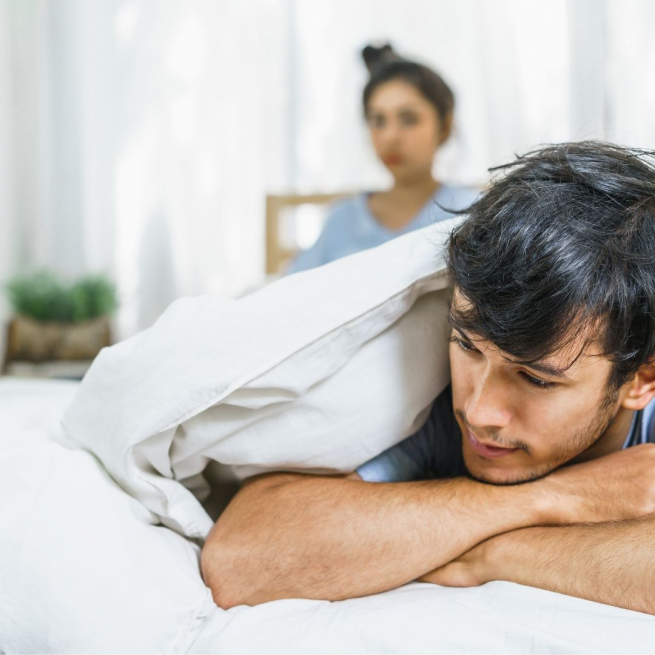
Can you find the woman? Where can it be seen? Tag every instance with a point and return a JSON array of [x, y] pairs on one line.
[[409, 111]]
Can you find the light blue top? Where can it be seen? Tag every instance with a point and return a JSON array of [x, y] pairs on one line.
[[350, 226]]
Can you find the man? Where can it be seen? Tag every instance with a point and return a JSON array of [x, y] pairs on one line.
[[534, 465]]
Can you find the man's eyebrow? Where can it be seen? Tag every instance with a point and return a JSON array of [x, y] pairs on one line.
[[546, 369], [452, 321], [453, 324], [541, 367]]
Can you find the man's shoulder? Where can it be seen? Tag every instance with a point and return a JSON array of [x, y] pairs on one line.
[[432, 452], [443, 413]]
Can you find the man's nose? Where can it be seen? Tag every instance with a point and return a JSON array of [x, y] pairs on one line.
[[488, 406]]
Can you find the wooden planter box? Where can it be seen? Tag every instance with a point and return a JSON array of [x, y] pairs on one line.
[[32, 341]]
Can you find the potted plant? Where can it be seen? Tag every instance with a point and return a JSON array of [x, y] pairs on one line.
[[58, 321]]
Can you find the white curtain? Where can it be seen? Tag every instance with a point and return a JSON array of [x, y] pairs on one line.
[[140, 137], [152, 131], [523, 72]]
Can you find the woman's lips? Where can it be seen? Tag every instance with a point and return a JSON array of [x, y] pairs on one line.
[[484, 450], [393, 160]]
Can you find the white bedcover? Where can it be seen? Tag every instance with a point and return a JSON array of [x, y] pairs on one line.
[[318, 372], [82, 572], [85, 566]]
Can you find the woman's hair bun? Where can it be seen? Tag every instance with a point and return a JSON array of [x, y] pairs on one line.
[[376, 56]]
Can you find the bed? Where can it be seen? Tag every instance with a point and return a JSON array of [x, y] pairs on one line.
[[76, 609], [102, 522]]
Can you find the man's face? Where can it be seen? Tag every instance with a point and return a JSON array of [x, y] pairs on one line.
[[520, 422]]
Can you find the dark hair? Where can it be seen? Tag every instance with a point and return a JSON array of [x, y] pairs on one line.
[[385, 65], [564, 243]]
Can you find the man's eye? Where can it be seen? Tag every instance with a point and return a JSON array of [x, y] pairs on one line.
[[464, 345], [537, 382]]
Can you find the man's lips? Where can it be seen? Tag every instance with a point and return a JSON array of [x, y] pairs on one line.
[[485, 450]]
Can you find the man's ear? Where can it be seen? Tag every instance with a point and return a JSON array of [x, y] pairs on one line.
[[642, 388]]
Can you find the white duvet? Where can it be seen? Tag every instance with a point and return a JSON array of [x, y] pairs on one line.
[[87, 567]]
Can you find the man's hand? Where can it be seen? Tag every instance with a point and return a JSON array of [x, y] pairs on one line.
[[609, 563], [614, 487], [471, 569]]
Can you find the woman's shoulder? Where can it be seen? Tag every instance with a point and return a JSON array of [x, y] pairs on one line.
[[456, 196], [460, 193], [348, 204], [347, 211]]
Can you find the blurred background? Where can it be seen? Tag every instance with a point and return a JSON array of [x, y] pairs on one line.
[[139, 139]]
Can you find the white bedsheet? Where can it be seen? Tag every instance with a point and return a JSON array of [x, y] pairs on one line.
[[82, 571], [498, 617]]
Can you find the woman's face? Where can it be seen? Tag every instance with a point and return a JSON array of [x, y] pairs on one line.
[[406, 129]]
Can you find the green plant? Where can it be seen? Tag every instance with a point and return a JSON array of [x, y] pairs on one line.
[[44, 297]]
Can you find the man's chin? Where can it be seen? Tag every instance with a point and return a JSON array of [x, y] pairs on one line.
[[507, 477]]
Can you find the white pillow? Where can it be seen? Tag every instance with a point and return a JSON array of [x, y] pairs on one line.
[[319, 371]]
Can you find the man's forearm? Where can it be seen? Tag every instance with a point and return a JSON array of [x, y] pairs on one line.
[[327, 538], [611, 563]]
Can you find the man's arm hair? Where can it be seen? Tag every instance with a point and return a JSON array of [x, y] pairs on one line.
[[299, 536], [611, 563], [288, 535]]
